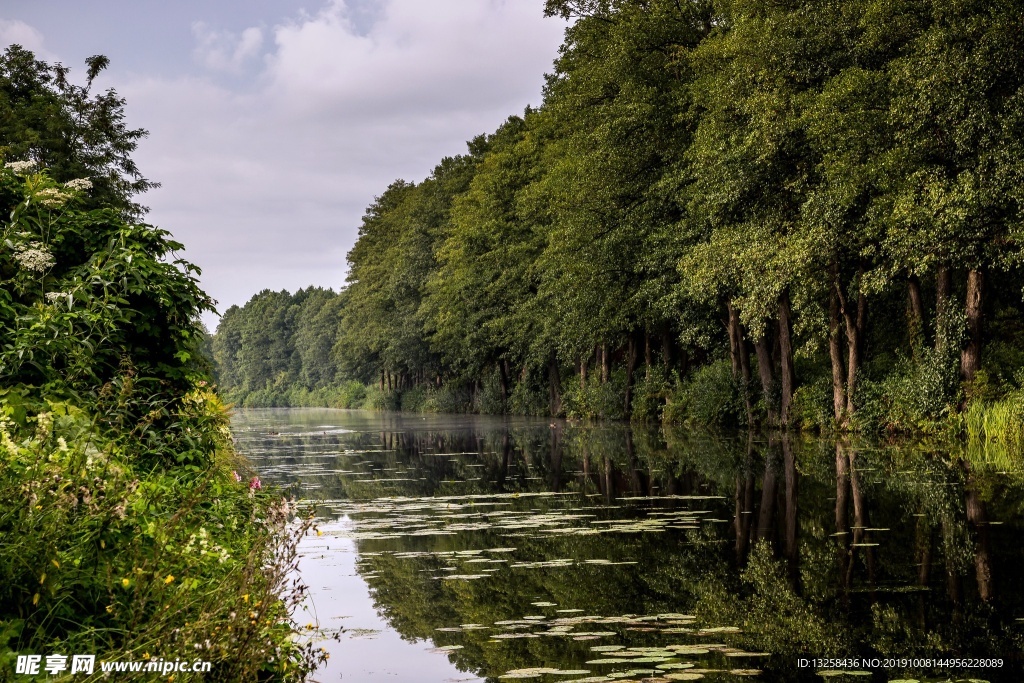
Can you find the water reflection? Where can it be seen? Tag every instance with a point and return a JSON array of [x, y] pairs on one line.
[[523, 545]]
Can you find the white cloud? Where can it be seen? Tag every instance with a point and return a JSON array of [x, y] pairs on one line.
[[266, 182], [14, 32], [225, 51]]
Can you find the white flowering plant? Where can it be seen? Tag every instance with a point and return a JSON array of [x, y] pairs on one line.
[[88, 300]]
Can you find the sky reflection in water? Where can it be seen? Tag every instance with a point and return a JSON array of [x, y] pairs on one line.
[[462, 547]]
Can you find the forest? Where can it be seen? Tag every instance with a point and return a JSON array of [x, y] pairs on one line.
[[803, 214]]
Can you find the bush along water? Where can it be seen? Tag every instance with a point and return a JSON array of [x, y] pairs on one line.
[[129, 528]]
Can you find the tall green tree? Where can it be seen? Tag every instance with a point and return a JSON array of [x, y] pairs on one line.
[[69, 130]]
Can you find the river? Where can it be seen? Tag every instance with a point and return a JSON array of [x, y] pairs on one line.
[[470, 548]]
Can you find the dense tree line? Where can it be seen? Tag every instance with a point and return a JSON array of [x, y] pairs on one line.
[[802, 212]]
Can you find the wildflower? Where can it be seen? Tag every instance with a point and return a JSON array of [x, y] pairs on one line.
[[169, 579], [236, 475], [21, 166], [255, 484], [33, 257], [52, 197], [125, 582], [35, 599], [53, 297], [79, 184]]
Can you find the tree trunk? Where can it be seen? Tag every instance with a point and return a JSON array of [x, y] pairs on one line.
[[382, 381], [647, 353], [503, 378], [836, 355], [555, 385], [765, 371], [943, 291], [786, 352], [732, 326], [740, 356], [970, 357], [583, 372], [855, 321], [606, 364], [390, 387], [915, 314], [631, 355], [666, 350]]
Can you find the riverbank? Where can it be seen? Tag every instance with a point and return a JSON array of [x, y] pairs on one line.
[[708, 399], [103, 554], [130, 530]]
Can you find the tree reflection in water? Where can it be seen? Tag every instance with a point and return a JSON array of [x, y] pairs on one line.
[[807, 547]]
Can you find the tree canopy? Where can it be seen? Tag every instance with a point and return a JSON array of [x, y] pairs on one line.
[[805, 210]]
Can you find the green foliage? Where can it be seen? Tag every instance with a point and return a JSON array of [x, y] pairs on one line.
[[710, 397], [805, 188], [70, 131], [97, 307], [597, 399], [103, 556], [124, 528]]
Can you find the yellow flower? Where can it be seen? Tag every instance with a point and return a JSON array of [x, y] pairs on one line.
[[125, 582], [35, 599], [169, 579], [245, 597]]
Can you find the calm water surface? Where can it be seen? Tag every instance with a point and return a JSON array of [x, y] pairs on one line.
[[464, 548]]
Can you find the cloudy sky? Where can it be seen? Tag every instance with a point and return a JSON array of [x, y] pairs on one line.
[[274, 123]]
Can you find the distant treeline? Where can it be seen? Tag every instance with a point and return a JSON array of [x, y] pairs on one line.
[[786, 213]]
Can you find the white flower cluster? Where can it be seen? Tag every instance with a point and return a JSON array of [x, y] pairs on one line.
[[54, 297], [52, 197], [205, 547], [34, 257], [79, 184], [21, 166]]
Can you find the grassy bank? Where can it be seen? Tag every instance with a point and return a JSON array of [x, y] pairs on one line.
[[131, 559]]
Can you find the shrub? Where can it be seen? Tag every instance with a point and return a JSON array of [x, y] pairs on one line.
[[709, 397], [102, 555]]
